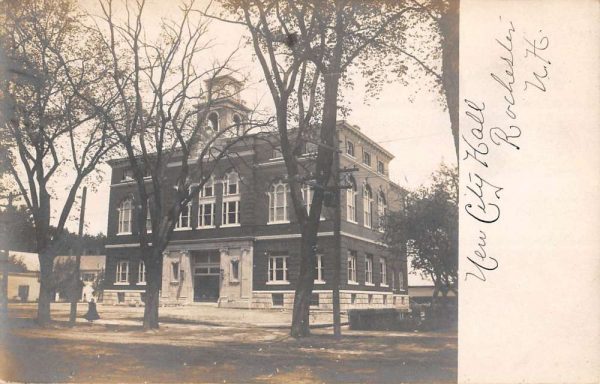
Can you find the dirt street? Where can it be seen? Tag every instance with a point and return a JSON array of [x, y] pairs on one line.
[[120, 351]]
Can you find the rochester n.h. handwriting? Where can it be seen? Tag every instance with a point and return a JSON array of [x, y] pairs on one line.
[[495, 123]]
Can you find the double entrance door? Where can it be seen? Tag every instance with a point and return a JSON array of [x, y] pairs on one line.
[[207, 276]]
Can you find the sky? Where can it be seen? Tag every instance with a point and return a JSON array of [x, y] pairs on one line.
[[411, 125]]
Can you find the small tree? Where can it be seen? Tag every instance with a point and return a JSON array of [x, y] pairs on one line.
[[16, 229], [428, 229], [63, 278], [98, 285], [16, 264]]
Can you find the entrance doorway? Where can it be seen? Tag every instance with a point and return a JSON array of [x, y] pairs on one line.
[[207, 276]]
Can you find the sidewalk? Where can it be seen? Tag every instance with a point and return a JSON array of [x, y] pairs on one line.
[[209, 315]]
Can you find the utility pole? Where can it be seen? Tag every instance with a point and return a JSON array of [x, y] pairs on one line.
[[337, 237], [337, 241], [337, 222], [4, 296], [76, 281]]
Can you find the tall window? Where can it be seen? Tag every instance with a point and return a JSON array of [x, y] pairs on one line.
[[383, 271], [125, 210], [307, 196], [206, 205], [366, 158], [142, 272], [393, 276], [369, 269], [278, 203], [148, 217], [206, 214], [231, 199], [234, 269], [350, 148], [381, 211], [231, 212], [319, 276], [278, 268], [352, 267], [351, 196], [400, 280], [367, 204], [380, 167], [213, 121], [184, 217], [175, 271], [122, 272]]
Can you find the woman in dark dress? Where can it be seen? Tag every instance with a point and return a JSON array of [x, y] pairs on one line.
[[91, 314]]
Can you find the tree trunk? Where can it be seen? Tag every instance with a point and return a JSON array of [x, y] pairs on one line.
[[153, 271], [45, 297], [449, 28], [301, 313]]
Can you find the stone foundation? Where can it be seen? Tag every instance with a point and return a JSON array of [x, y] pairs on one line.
[[264, 300], [348, 300], [116, 297]]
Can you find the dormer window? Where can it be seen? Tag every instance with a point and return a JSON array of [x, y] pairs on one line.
[[213, 121]]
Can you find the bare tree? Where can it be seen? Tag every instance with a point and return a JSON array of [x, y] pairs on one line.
[[305, 49], [54, 139], [160, 117]]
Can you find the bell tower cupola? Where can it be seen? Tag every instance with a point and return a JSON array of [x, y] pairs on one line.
[[226, 109]]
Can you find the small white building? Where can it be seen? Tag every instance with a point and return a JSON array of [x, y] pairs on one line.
[[24, 286]]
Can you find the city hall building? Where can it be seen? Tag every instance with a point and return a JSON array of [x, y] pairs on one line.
[[237, 244]]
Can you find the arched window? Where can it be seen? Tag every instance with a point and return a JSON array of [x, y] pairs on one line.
[[278, 203], [351, 197], [208, 189], [367, 205], [381, 210], [125, 215], [231, 184], [213, 121], [231, 199]]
